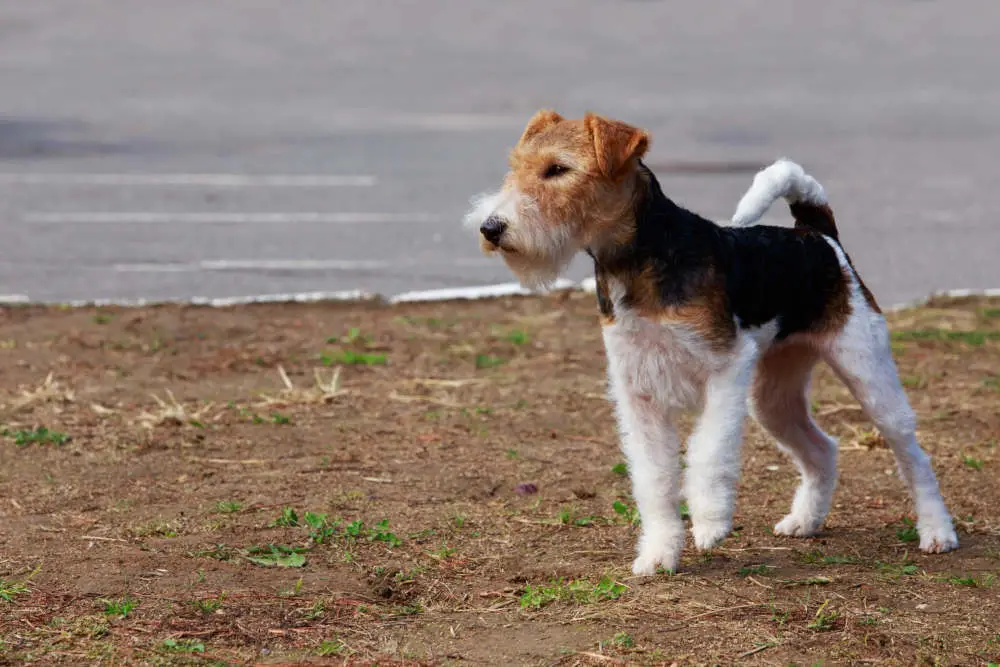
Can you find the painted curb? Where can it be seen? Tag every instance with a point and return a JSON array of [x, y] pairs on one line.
[[476, 292]]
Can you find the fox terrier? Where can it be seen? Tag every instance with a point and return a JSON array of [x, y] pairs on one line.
[[727, 320]]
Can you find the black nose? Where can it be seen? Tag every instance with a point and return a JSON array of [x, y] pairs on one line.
[[493, 229]]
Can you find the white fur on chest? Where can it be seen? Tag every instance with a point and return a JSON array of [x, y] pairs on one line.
[[667, 362]]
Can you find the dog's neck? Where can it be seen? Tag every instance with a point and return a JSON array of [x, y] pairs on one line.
[[659, 229], [667, 243]]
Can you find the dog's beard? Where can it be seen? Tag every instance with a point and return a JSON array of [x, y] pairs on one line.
[[537, 258]]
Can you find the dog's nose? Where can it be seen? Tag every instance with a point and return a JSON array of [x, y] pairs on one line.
[[493, 229]]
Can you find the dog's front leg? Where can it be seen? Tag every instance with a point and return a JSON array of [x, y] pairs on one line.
[[713, 452], [651, 446]]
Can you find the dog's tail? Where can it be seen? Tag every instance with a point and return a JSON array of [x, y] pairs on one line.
[[805, 196]]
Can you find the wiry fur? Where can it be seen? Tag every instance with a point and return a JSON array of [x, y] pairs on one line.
[[725, 320]]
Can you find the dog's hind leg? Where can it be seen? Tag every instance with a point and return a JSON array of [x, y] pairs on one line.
[[861, 355], [780, 405]]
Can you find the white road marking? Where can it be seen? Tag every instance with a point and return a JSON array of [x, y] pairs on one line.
[[197, 180], [288, 265], [207, 218]]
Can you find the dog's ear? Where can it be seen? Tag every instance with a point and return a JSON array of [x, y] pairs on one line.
[[542, 120], [615, 143]]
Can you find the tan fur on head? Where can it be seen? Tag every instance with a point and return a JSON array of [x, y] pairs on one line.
[[570, 186], [540, 121]]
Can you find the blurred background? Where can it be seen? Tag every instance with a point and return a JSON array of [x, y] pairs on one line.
[[238, 147]]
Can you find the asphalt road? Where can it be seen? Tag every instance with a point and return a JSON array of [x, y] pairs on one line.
[[237, 147]]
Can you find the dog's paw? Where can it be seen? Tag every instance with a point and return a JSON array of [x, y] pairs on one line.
[[794, 525], [708, 534], [659, 548], [938, 537], [649, 560]]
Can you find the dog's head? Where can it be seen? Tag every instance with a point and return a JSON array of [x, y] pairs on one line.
[[570, 186]]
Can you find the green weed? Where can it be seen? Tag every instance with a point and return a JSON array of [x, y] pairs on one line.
[[352, 358], [908, 531], [331, 647], [276, 555], [974, 338], [823, 621], [38, 436], [580, 592], [208, 605], [228, 506], [121, 607], [489, 361], [626, 512], [183, 645], [11, 589], [972, 462]]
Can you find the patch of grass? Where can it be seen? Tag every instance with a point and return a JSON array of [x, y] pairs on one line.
[[974, 338], [489, 361], [183, 645], [620, 640], [443, 553], [626, 512], [896, 570], [983, 581], [356, 530], [228, 506], [331, 647], [517, 337], [353, 358], [276, 555], [823, 621], [320, 528], [620, 469], [579, 592], [11, 589], [973, 462], [156, 528], [869, 620], [353, 335], [779, 616], [380, 533], [990, 313], [511, 454], [908, 531], [37, 436], [755, 569], [288, 518], [914, 381], [121, 607], [817, 557], [280, 419], [208, 605], [218, 552]]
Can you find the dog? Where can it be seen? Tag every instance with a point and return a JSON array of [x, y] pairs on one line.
[[728, 320]]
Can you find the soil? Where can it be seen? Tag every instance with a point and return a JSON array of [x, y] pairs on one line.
[[442, 484]]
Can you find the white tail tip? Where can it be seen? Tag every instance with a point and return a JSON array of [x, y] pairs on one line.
[[783, 178]]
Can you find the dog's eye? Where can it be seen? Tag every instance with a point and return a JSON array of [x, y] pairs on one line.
[[555, 170]]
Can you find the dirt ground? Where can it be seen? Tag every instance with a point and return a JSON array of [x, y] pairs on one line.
[[441, 484]]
